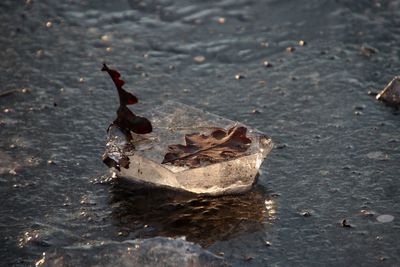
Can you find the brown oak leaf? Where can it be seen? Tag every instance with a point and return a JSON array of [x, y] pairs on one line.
[[199, 149], [126, 120]]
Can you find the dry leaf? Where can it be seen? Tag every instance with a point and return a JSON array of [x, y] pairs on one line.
[[219, 146], [126, 120]]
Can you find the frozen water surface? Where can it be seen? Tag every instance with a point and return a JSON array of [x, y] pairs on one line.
[[337, 148], [171, 123], [157, 252]]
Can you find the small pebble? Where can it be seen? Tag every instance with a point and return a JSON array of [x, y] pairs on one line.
[[239, 76], [49, 24], [108, 49], [268, 244], [199, 59], [221, 20], [302, 43], [39, 53], [256, 111], [368, 51], [105, 38], [305, 213], [267, 64], [367, 213], [290, 49]]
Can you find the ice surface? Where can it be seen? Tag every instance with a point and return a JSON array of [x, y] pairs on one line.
[[171, 122], [158, 251]]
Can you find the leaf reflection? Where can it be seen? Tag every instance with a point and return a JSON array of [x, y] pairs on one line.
[[144, 212]]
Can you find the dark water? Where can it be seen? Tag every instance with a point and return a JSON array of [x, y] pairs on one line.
[[338, 150]]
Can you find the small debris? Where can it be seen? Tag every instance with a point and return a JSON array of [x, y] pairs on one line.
[[267, 64], [81, 79], [105, 38], [391, 93], [39, 53], [50, 162], [345, 224], [368, 51], [367, 213], [248, 257], [264, 44], [382, 258], [358, 113], [385, 218], [108, 49], [302, 43], [268, 244], [281, 146], [199, 59], [256, 111], [290, 49], [305, 213], [49, 24], [239, 76], [221, 20]]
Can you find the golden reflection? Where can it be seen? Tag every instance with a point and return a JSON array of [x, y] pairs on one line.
[[146, 212], [27, 237]]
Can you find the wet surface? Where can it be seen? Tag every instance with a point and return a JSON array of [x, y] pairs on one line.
[[338, 150]]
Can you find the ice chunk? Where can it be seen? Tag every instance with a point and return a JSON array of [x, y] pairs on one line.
[[158, 251], [171, 123], [391, 93]]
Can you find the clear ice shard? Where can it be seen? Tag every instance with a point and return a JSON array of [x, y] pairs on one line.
[[171, 122]]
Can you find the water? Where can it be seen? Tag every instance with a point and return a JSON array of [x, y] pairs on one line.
[[338, 149]]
